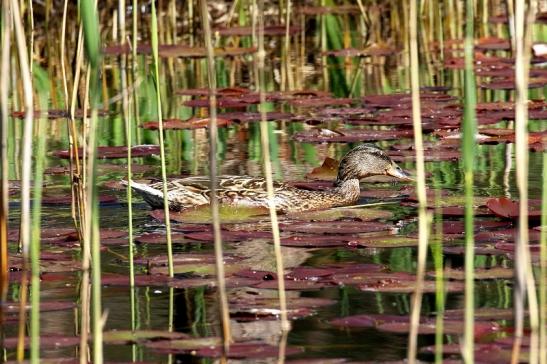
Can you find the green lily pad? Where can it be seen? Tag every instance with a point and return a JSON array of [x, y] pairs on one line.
[[128, 336], [363, 214], [184, 344], [385, 241], [228, 214]]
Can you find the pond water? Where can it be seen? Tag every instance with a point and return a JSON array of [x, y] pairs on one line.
[[342, 278]]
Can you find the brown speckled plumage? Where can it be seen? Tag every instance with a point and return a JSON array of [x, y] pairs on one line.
[[362, 161]]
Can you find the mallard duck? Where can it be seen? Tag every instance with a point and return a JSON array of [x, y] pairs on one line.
[[363, 161]]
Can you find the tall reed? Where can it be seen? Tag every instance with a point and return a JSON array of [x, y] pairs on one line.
[[91, 31], [25, 227], [127, 125], [267, 164], [423, 217], [543, 270], [4, 187], [525, 283], [469, 130], [155, 58], [42, 88], [213, 139]]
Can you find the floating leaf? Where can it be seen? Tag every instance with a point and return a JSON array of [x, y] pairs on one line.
[[479, 273], [116, 152], [128, 336], [337, 227], [202, 214], [328, 170], [178, 124], [507, 208]]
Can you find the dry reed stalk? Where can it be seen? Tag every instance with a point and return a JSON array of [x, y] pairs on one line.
[[524, 274], [127, 125], [24, 234], [267, 163], [74, 161], [219, 259], [423, 218], [289, 81], [543, 270], [155, 57], [4, 187]]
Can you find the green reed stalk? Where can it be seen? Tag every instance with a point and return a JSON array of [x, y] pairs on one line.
[[468, 149], [289, 84], [543, 270], [4, 188], [155, 57], [42, 86], [127, 124], [437, 253], [423, 218], [24, 234], [267, 163], [324, 63], [213, 139], [525, 277], [134, 66], [90, 24]]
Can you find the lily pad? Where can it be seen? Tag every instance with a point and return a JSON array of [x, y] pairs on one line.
[[360, 214], [202, 214], [337, 227], [479, 273], [128, 336]]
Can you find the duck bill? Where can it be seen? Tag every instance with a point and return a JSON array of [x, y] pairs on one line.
[[400, 174]]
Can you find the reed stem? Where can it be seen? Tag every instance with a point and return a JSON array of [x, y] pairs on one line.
[[155, 57], [469, 128], [423, 218], [42, 85], [213, 138], [267, 164], [525, 277], [25, 227], [4, 187]]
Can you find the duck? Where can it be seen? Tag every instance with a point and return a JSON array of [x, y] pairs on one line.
[[362, 161]]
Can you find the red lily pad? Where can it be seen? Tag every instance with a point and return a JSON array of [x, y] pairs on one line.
[[177, 51], [45, 306], [337, 227], [479, 273], [245, 117], [429, 327], [328, 170], [178, 124], [67, 200], [229, 235], [116, 152], [270, 30], [504, 207], [394, 285], [350, 135], [317, 241], [47, 341]]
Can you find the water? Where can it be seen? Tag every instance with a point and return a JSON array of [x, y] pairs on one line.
[[194, 310]]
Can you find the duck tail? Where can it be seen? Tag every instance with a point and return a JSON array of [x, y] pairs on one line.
[[153, 196]]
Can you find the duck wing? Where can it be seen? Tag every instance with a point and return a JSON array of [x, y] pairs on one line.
[[194, 191]]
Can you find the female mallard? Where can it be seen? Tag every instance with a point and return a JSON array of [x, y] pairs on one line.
[[362, 161]]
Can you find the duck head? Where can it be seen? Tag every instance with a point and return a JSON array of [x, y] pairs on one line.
[[368, 160]]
